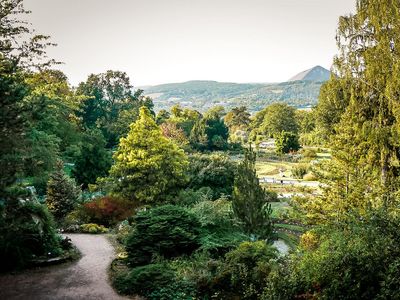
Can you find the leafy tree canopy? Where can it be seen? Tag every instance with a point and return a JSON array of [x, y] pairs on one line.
[[274, 119]]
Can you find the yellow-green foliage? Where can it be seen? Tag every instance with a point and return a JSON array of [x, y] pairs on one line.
[[309, 240], [93, 228], [148, 167]]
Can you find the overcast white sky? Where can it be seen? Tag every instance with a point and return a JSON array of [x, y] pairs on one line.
[[162, 41]]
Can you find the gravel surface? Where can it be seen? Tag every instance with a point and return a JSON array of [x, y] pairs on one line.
[[84, 279]]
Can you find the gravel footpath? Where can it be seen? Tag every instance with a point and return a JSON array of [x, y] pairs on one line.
[[85, 279]]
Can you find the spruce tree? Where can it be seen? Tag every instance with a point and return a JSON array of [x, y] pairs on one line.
[[249, 200], [62, 193], [148, 167]]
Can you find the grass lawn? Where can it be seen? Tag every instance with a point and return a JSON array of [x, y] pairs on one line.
[[269, 168]]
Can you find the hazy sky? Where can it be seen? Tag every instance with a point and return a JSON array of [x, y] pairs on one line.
[[161, 41]]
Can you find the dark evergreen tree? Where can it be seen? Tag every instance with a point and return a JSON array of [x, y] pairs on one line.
[[250, 202], [62, 193], [94, 160], [12, 122]]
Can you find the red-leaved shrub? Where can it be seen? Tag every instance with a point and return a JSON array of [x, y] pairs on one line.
[[108, 210]]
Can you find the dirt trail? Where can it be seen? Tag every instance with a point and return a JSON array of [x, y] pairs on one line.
[[85, 279]]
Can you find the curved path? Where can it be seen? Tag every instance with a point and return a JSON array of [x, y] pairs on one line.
[[85, 279]]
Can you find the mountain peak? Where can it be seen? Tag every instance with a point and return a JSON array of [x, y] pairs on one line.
[[317, 73]]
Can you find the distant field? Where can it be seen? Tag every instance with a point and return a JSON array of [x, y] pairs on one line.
[[268, 168]]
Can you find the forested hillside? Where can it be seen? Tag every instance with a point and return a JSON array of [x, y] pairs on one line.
[[202, 95]]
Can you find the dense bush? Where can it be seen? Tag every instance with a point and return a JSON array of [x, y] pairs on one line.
[[190, 197], [220, 230], [356, 261], [155, 282], [241, 274], [309, 153], [300, 171], [214, 171], [108, 210], [247, 269], [93, 228], [26, 232], [168, 231]]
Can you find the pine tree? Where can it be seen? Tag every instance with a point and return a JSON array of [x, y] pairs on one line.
[[148, 167], [249, 200], [62, 193]]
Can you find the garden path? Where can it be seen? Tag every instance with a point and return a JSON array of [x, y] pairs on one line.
[[84, 279]]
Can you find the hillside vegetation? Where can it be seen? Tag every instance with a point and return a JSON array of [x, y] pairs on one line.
[[202, 95]]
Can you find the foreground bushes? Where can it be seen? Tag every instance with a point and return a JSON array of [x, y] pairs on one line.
[[166, 231], [220, 231], [359, 260], [154, 281], [26, 232]]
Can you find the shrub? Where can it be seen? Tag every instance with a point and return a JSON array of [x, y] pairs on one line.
[[213, 171], [122, 231], [76, 217], [93, 228], [190, 197], [214, 214], [309, 153], [155, 282], [167, 230], [359, 260], [221, 231], [299, 171], [309, 240], [26, 231], [310, 177], [241, 275], [248, 266], [107, 210]]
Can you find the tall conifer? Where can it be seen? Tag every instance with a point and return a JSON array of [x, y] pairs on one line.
[[249, 200]]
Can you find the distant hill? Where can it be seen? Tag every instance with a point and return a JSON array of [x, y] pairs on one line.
[[202, 95], [317, 73]]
